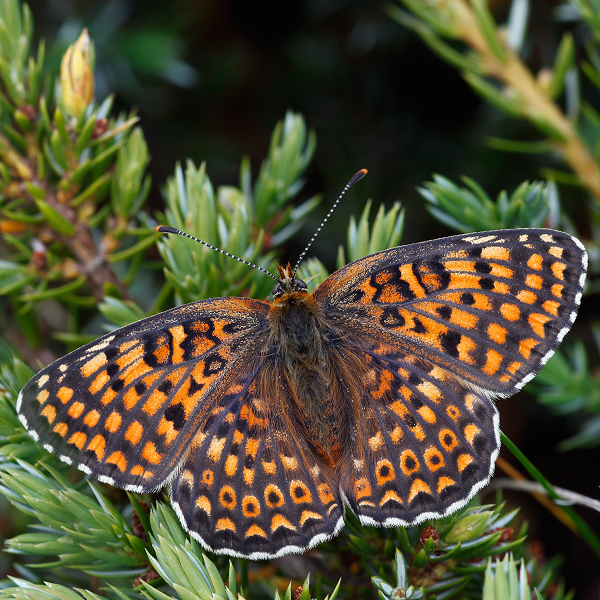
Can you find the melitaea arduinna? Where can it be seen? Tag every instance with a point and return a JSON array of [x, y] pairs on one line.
[[374, 392]]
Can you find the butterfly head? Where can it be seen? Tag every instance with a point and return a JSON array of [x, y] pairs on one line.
[[287, 282]]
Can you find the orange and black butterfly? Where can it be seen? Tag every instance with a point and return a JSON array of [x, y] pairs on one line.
[[375, 392]]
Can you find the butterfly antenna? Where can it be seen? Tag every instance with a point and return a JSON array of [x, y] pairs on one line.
[[167, 229], [357, 177]]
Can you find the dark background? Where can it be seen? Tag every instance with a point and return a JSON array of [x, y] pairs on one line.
[[210, 79]]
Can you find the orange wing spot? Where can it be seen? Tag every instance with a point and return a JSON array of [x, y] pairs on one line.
[[92, 365], [128, 345], [78, 439], [396, 434], [134, 433], [325, 494], [216, 448], [98, 445], [227, 497], [249, 476], [101, 380], [514, 367], [179, 336], [470, 401], [269, 467], [273, 496], [203, 503], [501, 271], [384, 471], [557, 270], [309, 514], [470, 432], [427, 414], [253, 420], [431, 391], [501, 288], [444, 482], [433, 458], [238, 437], [208, 477], [92, 418], [150, 454], [117, 458], [376, 441], [533, 281], [130, 398], [495, 253], [187, 476], [250, 507], [537, 322], [526, 296], [453, 412], [136, 371], [362, 488], [224, 524], [137, 470], [463, 281], [463, 319], [463, 461], [465, 346], [252, 447], [299, 492], [64, 394], [398, 407], [131, 356], [231, 465], [525, 347], [289, 462], [407, 274], [255, 530], [535, 262], [384, 386], [154, 402], [42, 396], [497, 333], [510, 312], [482, 302], [113, 422], [166, 428], [49, 412], [108, 396], [162, 352], [493, 361], [390, 496], [61, 429], [418, 432], [448, 439], [408, 462], [417, 487], [556, 251], [280, 521], [76, 409], [557, 289], [550, 306], [459, 266]]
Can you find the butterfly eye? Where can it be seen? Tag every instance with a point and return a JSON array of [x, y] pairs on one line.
[[300, 285], [277, 290]]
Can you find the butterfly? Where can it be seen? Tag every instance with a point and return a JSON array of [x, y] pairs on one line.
[[374, 393]]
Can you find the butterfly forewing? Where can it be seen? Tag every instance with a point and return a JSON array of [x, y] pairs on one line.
[[125, 407], [491, 307]]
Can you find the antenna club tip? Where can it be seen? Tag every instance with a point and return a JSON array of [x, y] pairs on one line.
[[357, 176]]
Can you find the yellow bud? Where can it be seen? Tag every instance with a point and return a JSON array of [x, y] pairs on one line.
[[77, 77]]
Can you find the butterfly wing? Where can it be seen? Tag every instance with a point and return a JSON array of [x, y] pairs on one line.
[[251, 486], [436, 330], [124, 407], [491, 307]]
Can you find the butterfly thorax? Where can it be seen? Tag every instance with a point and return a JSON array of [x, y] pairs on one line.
[[299, 333]]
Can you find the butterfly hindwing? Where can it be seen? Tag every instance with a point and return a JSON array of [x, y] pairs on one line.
[[123, 407], [249, 486], [423, 445], [491, 307]]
